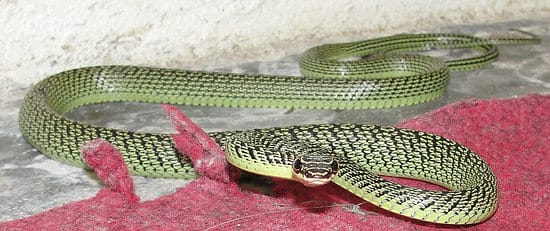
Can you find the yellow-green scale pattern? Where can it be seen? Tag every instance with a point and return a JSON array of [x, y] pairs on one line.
[[383, 78]]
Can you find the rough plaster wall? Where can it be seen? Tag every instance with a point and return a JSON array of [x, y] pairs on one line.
[[43, 37]]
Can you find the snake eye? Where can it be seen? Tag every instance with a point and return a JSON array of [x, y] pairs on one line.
[[297, 165], [334, 166]]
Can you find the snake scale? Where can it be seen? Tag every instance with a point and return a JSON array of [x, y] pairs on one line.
[[334, 79]]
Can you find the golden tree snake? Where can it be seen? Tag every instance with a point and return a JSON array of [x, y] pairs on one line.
[[374, 73]]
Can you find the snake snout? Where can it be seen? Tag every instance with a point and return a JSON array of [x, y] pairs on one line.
[[314, 172]]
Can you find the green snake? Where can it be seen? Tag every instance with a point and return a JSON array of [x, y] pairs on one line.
[[350, 155]]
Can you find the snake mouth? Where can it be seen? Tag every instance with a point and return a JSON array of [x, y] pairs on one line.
[[315, 182], [311, 181]]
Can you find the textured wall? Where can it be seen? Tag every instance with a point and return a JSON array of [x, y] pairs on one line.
[[43, 37]]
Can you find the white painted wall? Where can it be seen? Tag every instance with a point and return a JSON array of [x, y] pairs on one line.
[[38, 38]]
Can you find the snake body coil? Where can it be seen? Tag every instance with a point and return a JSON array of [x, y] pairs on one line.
[[385, 79], [366, 151]]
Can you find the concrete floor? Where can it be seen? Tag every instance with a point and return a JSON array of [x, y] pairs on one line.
[[31, 182]]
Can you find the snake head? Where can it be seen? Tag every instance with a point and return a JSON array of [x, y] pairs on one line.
[[314, 169]]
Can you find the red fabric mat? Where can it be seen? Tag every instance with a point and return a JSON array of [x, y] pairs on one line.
[[512, 135]]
